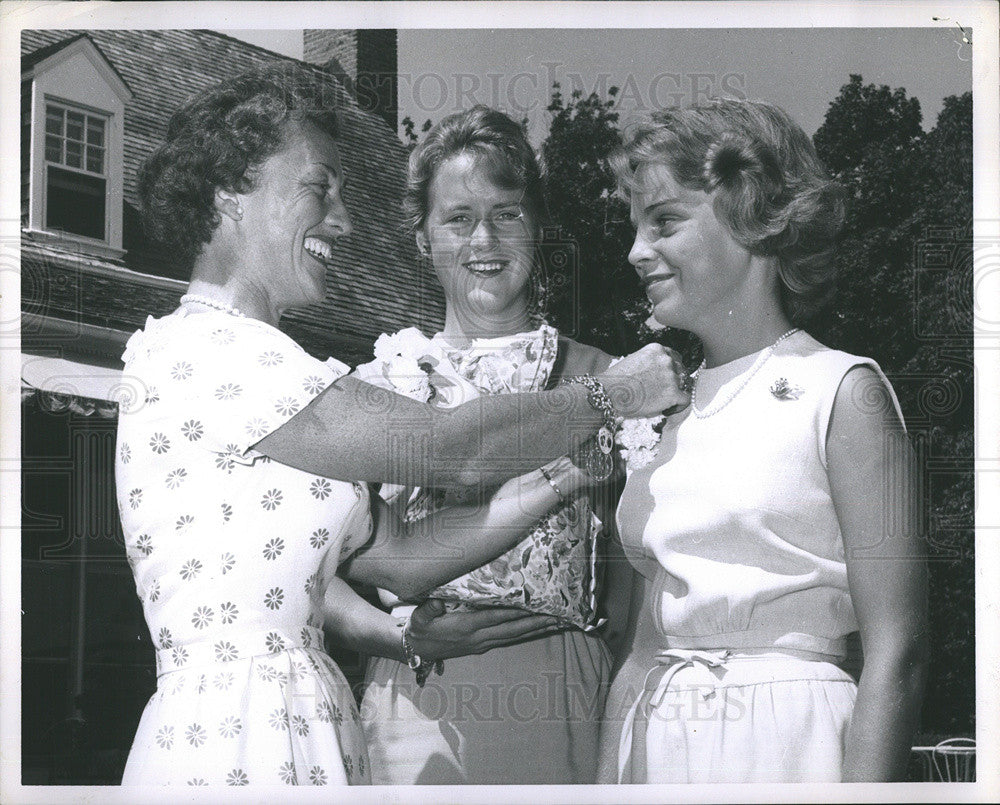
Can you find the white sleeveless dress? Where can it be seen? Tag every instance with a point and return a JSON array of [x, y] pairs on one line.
[[732, 676]]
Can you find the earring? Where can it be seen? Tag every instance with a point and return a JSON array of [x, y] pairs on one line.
[[239, 212]]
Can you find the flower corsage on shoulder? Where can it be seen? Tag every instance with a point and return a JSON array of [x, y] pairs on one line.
[[403, 362], [639, 440], [411, 364]]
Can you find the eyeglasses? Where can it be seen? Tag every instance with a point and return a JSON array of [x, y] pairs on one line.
[[505, 222]]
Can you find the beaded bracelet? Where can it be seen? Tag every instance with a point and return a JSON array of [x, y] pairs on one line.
[[595, 455]]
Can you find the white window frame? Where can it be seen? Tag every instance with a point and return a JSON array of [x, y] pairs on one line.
[[78, 77], [87, 112]]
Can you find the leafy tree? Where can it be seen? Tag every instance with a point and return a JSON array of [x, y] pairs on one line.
[[587, 280], [870, 140], [410, 136], [905, 295]]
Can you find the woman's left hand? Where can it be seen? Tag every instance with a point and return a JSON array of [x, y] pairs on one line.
[[437, 634]]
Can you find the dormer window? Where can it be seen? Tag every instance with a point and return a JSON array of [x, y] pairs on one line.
[[74, 116], [75, 171]]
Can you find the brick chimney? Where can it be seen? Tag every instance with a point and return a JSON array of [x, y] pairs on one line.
[[365, 61]]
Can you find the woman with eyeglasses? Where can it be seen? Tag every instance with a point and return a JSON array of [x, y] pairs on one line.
[[522, 705]]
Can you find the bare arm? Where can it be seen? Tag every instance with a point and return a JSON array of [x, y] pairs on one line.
[[359, 626], [873, 479], [355, 431], [411, 558], [434, 633]]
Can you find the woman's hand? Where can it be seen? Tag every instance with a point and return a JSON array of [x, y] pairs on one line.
[[648, 382], [436, 634]]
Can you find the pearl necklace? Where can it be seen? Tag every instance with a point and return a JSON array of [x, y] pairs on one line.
[[209, 302], [757, 366]]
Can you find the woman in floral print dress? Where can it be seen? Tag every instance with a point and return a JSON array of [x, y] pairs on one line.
[[474, 199], [236, 455]]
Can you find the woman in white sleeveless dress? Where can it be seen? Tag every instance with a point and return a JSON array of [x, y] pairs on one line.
[[239, 456], [777, 514], [526, 711]]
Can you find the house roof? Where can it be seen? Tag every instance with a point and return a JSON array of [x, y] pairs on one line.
[[375, 284], [31, 59]]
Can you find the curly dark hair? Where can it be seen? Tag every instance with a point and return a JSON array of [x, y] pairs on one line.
[[217, 140], [770, 189]]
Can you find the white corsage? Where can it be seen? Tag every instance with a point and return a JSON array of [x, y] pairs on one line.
[[639, 440], [400, 355], [408, 343]]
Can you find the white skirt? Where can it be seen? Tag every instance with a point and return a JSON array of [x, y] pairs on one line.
[[732, 717]]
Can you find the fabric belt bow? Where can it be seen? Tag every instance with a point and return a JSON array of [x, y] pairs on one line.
[[632, 746]]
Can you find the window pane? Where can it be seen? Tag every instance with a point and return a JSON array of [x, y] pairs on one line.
[[74, 126], [75, 203], [74, 154], [53, 120], [95, 159], [95, 131], [53, 148]]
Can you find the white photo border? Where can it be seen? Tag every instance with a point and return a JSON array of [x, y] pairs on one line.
[[981, 17]]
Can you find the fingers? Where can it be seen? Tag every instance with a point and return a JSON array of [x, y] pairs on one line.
[[487, 618], [427, 611], [511, 631], [529, 635], [431, 618]]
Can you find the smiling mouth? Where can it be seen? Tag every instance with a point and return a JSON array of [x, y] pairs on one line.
[[320, 249], [652, 279], [484, 268]]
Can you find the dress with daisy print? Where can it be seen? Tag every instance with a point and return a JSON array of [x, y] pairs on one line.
[[231, 553]]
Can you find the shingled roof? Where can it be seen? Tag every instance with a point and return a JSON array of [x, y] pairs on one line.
[[376, 283]]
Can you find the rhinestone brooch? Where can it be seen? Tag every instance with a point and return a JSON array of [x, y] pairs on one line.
[[783, 390]]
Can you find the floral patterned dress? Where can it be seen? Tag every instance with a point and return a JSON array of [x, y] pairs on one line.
[[230, 553], [520, 714]]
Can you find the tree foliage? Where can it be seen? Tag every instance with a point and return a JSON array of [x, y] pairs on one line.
[[589, 288], [410, 136], [905, 298]]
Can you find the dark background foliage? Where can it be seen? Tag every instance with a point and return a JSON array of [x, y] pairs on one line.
[[904, 298]]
